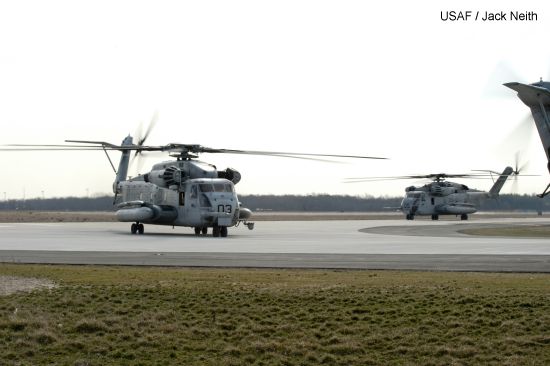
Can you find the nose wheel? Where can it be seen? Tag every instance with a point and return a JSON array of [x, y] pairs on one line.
[[137, 228]]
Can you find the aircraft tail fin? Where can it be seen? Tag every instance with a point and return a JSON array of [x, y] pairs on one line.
[[537, 97], [495, 189], [122, 171]]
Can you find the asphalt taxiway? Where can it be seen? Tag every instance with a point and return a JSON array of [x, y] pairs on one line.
[[364, 244]]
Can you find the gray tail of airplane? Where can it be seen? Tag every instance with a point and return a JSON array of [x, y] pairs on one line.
[[122, 171], [495, 189], [537, 97]]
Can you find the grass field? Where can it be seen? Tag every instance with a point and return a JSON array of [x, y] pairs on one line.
[[162, 316], [523, 231]]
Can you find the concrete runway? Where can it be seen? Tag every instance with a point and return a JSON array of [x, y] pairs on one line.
[[365, 244]]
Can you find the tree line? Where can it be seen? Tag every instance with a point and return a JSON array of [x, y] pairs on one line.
[[292, 203]]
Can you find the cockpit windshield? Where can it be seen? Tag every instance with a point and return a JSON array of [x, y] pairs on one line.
[[414, 195], [216, 187]]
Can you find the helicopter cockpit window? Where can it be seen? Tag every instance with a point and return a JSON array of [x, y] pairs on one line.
[[223, 187], [206, 187], [194, 193]]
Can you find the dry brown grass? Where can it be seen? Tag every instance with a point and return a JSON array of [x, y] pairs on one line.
[[143, 316]]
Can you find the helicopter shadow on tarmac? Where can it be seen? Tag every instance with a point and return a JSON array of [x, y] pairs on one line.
[[150, 234]]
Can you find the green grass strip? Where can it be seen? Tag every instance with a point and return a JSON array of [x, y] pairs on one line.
[[163, 316]]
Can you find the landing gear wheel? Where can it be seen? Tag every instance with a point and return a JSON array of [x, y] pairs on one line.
[[410, 217], [216, 231], [435, 217], [133, 228], [204, 230], [140, 228], [197, 231], [464, 217], [223, 231]]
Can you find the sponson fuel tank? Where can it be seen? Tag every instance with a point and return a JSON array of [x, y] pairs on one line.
[[148, 213]]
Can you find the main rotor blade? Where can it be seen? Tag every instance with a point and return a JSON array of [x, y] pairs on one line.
[[284, 154], [183, 148], [91, 148], [103, 143], [434, 176]]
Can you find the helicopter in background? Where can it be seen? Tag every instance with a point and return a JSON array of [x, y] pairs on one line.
[[180, 192], [537, 97], [441, 197]]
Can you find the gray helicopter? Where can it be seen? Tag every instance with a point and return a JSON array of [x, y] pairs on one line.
[[181, 192], [537, 97], [441, 197]]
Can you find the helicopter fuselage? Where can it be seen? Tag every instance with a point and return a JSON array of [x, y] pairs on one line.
[[182, 193], [204, 202], [423, 202], [448, 198]]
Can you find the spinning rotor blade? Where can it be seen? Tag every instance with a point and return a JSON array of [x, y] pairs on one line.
[[434, 177], [184, 150], [518, 168], [141, 140], [283, 154], [60, 148]]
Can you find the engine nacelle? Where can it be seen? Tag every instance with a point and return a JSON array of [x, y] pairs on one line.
[[410, 189], [230, 174], [436, 190], [165, 177]]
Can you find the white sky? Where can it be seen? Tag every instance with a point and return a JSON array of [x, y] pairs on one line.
[[343, 77]]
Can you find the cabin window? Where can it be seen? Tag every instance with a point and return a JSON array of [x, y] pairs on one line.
[[194, 193], [433, 201], [182, 198]]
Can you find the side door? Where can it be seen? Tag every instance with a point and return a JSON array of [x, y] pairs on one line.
[[189, 209]]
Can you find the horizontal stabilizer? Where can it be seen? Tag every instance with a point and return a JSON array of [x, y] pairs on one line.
[[530, 94]]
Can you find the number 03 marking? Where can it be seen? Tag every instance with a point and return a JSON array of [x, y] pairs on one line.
[[226, 208]]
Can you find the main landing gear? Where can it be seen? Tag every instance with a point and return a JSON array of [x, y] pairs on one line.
[[201, 230], [217, 231], [137, 228], [435, 217], [410, 217], [464, 217]]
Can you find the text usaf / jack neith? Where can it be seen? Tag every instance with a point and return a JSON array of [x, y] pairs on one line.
[[486, 16]]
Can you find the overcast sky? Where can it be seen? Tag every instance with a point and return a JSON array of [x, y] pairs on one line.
[[344, 77]]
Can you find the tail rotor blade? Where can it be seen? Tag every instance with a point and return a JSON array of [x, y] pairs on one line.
[[152, 124]]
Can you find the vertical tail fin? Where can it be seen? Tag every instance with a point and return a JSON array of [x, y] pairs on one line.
[[537, 97], [122, 171], [495, 189]]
